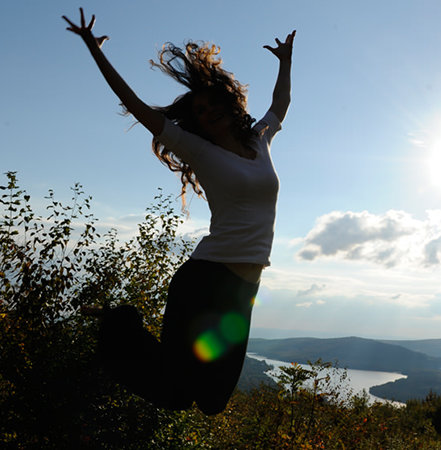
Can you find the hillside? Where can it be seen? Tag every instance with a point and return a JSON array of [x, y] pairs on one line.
[[253, 374], [348, 352], [431, 347], [417, 385]]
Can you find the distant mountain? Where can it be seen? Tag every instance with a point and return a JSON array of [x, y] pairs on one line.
[[431, 347], [417, 385], [348, 352]]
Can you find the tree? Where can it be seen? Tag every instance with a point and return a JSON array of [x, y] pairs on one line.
[[290, 379]]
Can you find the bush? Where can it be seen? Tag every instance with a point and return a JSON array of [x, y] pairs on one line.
[[52, 392]]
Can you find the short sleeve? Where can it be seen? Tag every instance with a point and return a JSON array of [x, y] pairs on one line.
[[270, 122], [187, 146]]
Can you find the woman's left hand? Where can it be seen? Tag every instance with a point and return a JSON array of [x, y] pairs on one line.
[[283, 51]]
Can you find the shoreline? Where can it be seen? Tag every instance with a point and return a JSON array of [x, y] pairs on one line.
[[356, 380]]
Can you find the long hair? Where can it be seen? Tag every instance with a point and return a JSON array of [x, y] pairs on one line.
[[198, 67]]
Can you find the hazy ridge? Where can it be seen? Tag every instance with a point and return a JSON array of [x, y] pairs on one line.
[[348, 352], [431, 347]]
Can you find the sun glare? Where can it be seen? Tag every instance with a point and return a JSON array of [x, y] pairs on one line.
[[434, 165], [429, 140]]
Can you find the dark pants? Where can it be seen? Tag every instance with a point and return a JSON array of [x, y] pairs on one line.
[[203, 343]]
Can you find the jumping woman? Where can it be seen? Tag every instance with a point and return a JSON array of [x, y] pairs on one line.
[[208, 136]]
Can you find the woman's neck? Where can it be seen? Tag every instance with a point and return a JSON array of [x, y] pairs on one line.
[[232, 144]]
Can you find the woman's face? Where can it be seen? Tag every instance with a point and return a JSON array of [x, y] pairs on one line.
[[212, 115]]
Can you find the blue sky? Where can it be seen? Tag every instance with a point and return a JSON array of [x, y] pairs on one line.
[[357, 247]]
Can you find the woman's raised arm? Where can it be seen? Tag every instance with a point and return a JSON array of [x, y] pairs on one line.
[[151, 119], [282, 89]]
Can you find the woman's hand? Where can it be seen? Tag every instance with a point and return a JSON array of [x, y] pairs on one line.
[[85, 31], [283, 51]]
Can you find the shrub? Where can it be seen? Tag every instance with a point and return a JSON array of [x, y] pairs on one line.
[[52, 392]]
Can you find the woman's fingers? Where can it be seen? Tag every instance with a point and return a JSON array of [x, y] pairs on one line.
[[79, 29], [92, 22], [83, 22], [282, 46], [73, 27], [68, 21]]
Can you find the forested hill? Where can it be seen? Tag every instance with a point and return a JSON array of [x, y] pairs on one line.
[[348, 352], [431, 347]]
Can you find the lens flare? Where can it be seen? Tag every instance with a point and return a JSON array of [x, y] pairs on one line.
[[233, 327], [256, 301], [208, 346]]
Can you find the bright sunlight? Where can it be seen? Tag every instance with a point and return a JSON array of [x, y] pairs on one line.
[[434, 164]]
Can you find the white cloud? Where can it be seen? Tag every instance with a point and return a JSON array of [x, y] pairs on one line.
[[327, 280], [295, 242], [432, 252], [311, 290], [304, 304], [391, 239], [310, 303]]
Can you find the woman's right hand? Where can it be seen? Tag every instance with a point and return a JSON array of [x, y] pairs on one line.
[[85, 31], [150, 118]]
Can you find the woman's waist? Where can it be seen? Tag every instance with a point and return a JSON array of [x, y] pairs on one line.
[[250, 272]]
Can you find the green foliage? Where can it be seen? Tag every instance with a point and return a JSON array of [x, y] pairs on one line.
[[291, 378], [52, 393], [261, 419], [137, 272]]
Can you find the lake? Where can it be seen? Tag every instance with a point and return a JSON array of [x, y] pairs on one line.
[[356, 381]]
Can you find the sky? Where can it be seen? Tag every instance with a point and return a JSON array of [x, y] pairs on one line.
[[357, 248]]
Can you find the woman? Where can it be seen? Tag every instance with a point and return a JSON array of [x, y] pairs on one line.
[[207, 136]]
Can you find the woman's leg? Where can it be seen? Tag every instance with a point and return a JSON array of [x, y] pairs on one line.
[[128, 352], [135, 359], [203, 344], [205, 333]]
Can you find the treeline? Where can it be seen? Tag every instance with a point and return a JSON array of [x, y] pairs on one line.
[[53, 394], [416, 386], [350, 352]]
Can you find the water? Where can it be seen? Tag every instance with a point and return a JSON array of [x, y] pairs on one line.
[[356, 382]]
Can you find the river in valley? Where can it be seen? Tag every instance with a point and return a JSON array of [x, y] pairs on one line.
[[355, 383]]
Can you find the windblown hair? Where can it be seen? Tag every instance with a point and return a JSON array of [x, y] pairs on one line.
[[199, 68]]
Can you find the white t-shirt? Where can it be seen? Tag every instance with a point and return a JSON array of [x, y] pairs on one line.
[[241, 192]]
